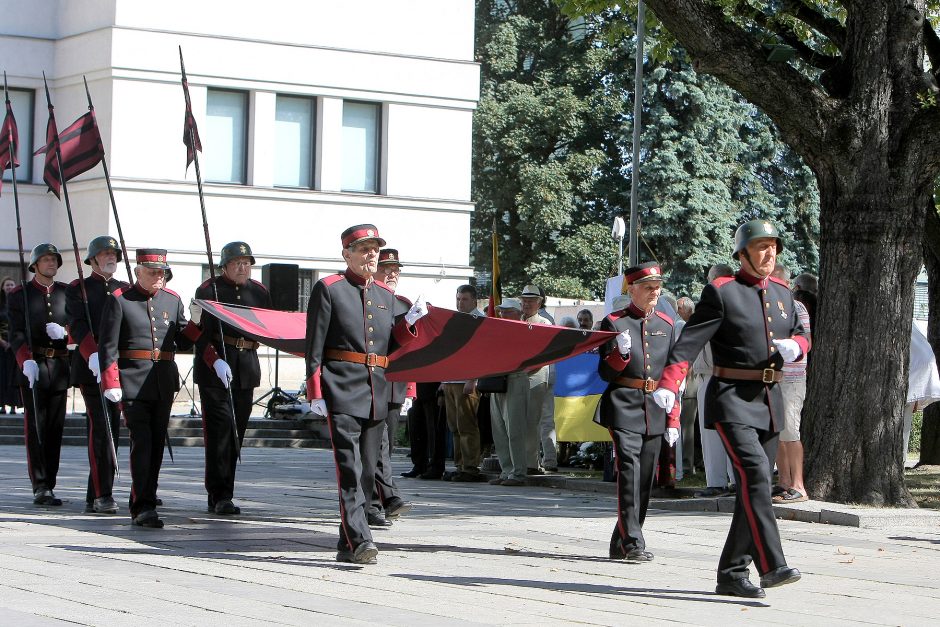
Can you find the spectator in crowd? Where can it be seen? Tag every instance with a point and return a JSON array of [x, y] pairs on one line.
[[807, 282], [685, 449], [719, 476], [542, 310], [8, 392], [790, 488], [460, 402], [585, 319], [569, 321], [508, 414], [426, 431], [923, 386], [538, 431]]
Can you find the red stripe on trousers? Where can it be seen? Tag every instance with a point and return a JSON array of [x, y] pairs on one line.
[[745, 499], [339, 487]]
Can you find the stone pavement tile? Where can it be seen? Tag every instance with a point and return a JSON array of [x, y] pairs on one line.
[[467, 554]]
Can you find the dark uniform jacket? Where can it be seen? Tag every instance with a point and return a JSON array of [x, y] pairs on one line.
[[136, 320], [347, 313], [651, 339], [98, 289], [45, 305], [740, 316], [400, 389], [246, 369]]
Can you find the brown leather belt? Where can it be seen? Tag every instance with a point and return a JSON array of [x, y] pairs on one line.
[[368, 359], [154, 355], [767, 375], [239, 342], [647, 385], [49, 353]]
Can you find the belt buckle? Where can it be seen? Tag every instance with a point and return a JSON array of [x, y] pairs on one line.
[[649, 385], [371, 359], [769, 375], [240, 343], [155, 354], [49, 353]]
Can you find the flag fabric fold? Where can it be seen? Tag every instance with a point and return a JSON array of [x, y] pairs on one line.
[[450, 345], [190, 131], [9, 141], [81, 148], [50, 174]]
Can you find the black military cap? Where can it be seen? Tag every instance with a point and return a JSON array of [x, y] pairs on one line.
[[389, 256], [235, 249], [359, 233], [643, 272]]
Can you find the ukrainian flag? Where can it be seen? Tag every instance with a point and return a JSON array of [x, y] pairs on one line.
[[578, 390]]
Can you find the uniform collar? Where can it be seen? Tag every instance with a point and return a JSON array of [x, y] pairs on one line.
[[355, 279], [750, 279], [141, 290], [637, 312], [40, 286], [224, 278], [97, 275]]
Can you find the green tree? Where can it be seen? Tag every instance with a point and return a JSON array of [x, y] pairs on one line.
[[858, 103]]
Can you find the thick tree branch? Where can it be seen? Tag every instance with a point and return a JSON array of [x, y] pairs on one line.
[[719, 47], [810, 56], [826, 26], [932, 46]]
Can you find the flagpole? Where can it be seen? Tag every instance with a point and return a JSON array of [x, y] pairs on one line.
[[114, 210], [19, 240], [205, 230], [81, 273]]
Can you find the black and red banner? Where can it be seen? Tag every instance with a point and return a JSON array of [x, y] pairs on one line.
[[450, 345], [9, 140]]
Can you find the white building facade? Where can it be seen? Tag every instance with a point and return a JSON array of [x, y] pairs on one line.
[[314, 115]]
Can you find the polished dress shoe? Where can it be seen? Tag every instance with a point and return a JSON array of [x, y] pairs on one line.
[[105, 505], [159, 501], [779, 576], [378, 521], [396, 507], [89, 508], [46, 497], [148, 519], [638, 555], [431, 474], [740, 588], [414, 472], [227, 508], [365, 553]]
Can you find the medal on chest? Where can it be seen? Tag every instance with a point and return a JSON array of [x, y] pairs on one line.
[[783, 311], [166, 318]]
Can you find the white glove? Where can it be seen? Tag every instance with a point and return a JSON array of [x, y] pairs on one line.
[[406, 405], [665, 399], [223, 371], [318, 406], [417, 311], [624, 343], [31, 371], [55, 331], [95, 366], [114, 395], [788, 349], [672, 436], [195, 312]]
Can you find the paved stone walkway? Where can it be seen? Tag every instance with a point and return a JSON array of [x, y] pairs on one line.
[[467, 554]]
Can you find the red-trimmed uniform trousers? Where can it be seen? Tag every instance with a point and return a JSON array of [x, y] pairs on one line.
[[100, 465], [356, 445], [635, 459], [221, 451], [146, 422], [753, 534], [385, 487], [42, 460]]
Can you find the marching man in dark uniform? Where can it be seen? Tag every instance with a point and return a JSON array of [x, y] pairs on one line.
[[386, 496], [141, 329], [632, 363], [351, 329], [103, 257], [753, 327], [44, 367], [234, 286]]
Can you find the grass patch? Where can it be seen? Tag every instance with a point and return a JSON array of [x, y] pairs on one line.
[[924, 485]]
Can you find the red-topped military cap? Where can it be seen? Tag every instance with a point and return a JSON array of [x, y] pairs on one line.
[[389, 256], [643, 272], [152, 258], [360, 233]]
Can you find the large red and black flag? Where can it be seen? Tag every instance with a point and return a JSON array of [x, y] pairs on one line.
[[81, 148], [450, 346], [9, 140], [190, 132], [50, 173]]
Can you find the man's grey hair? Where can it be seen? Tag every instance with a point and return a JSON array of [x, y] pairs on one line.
[[685, 303], [806, 281], [570, 322], [783, 271], [719, 270]]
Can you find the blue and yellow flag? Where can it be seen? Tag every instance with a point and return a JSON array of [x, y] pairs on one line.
[[578, 390]]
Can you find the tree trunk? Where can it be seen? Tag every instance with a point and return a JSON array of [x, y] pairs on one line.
[[930, 427], [859, 373]]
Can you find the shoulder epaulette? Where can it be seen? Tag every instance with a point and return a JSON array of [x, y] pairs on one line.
[[75, 283], [206, 283], [330, 280], [722, 280], [779, 281], [380, 284], [119, 291], [616, 315], [61, 284], [169, 291], [666, 317], [404, 300], [259, 284]]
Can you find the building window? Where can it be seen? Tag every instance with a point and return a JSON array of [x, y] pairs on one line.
[[361, 146], [226, 136], [293, 142], [305, 281], [22, 103]]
